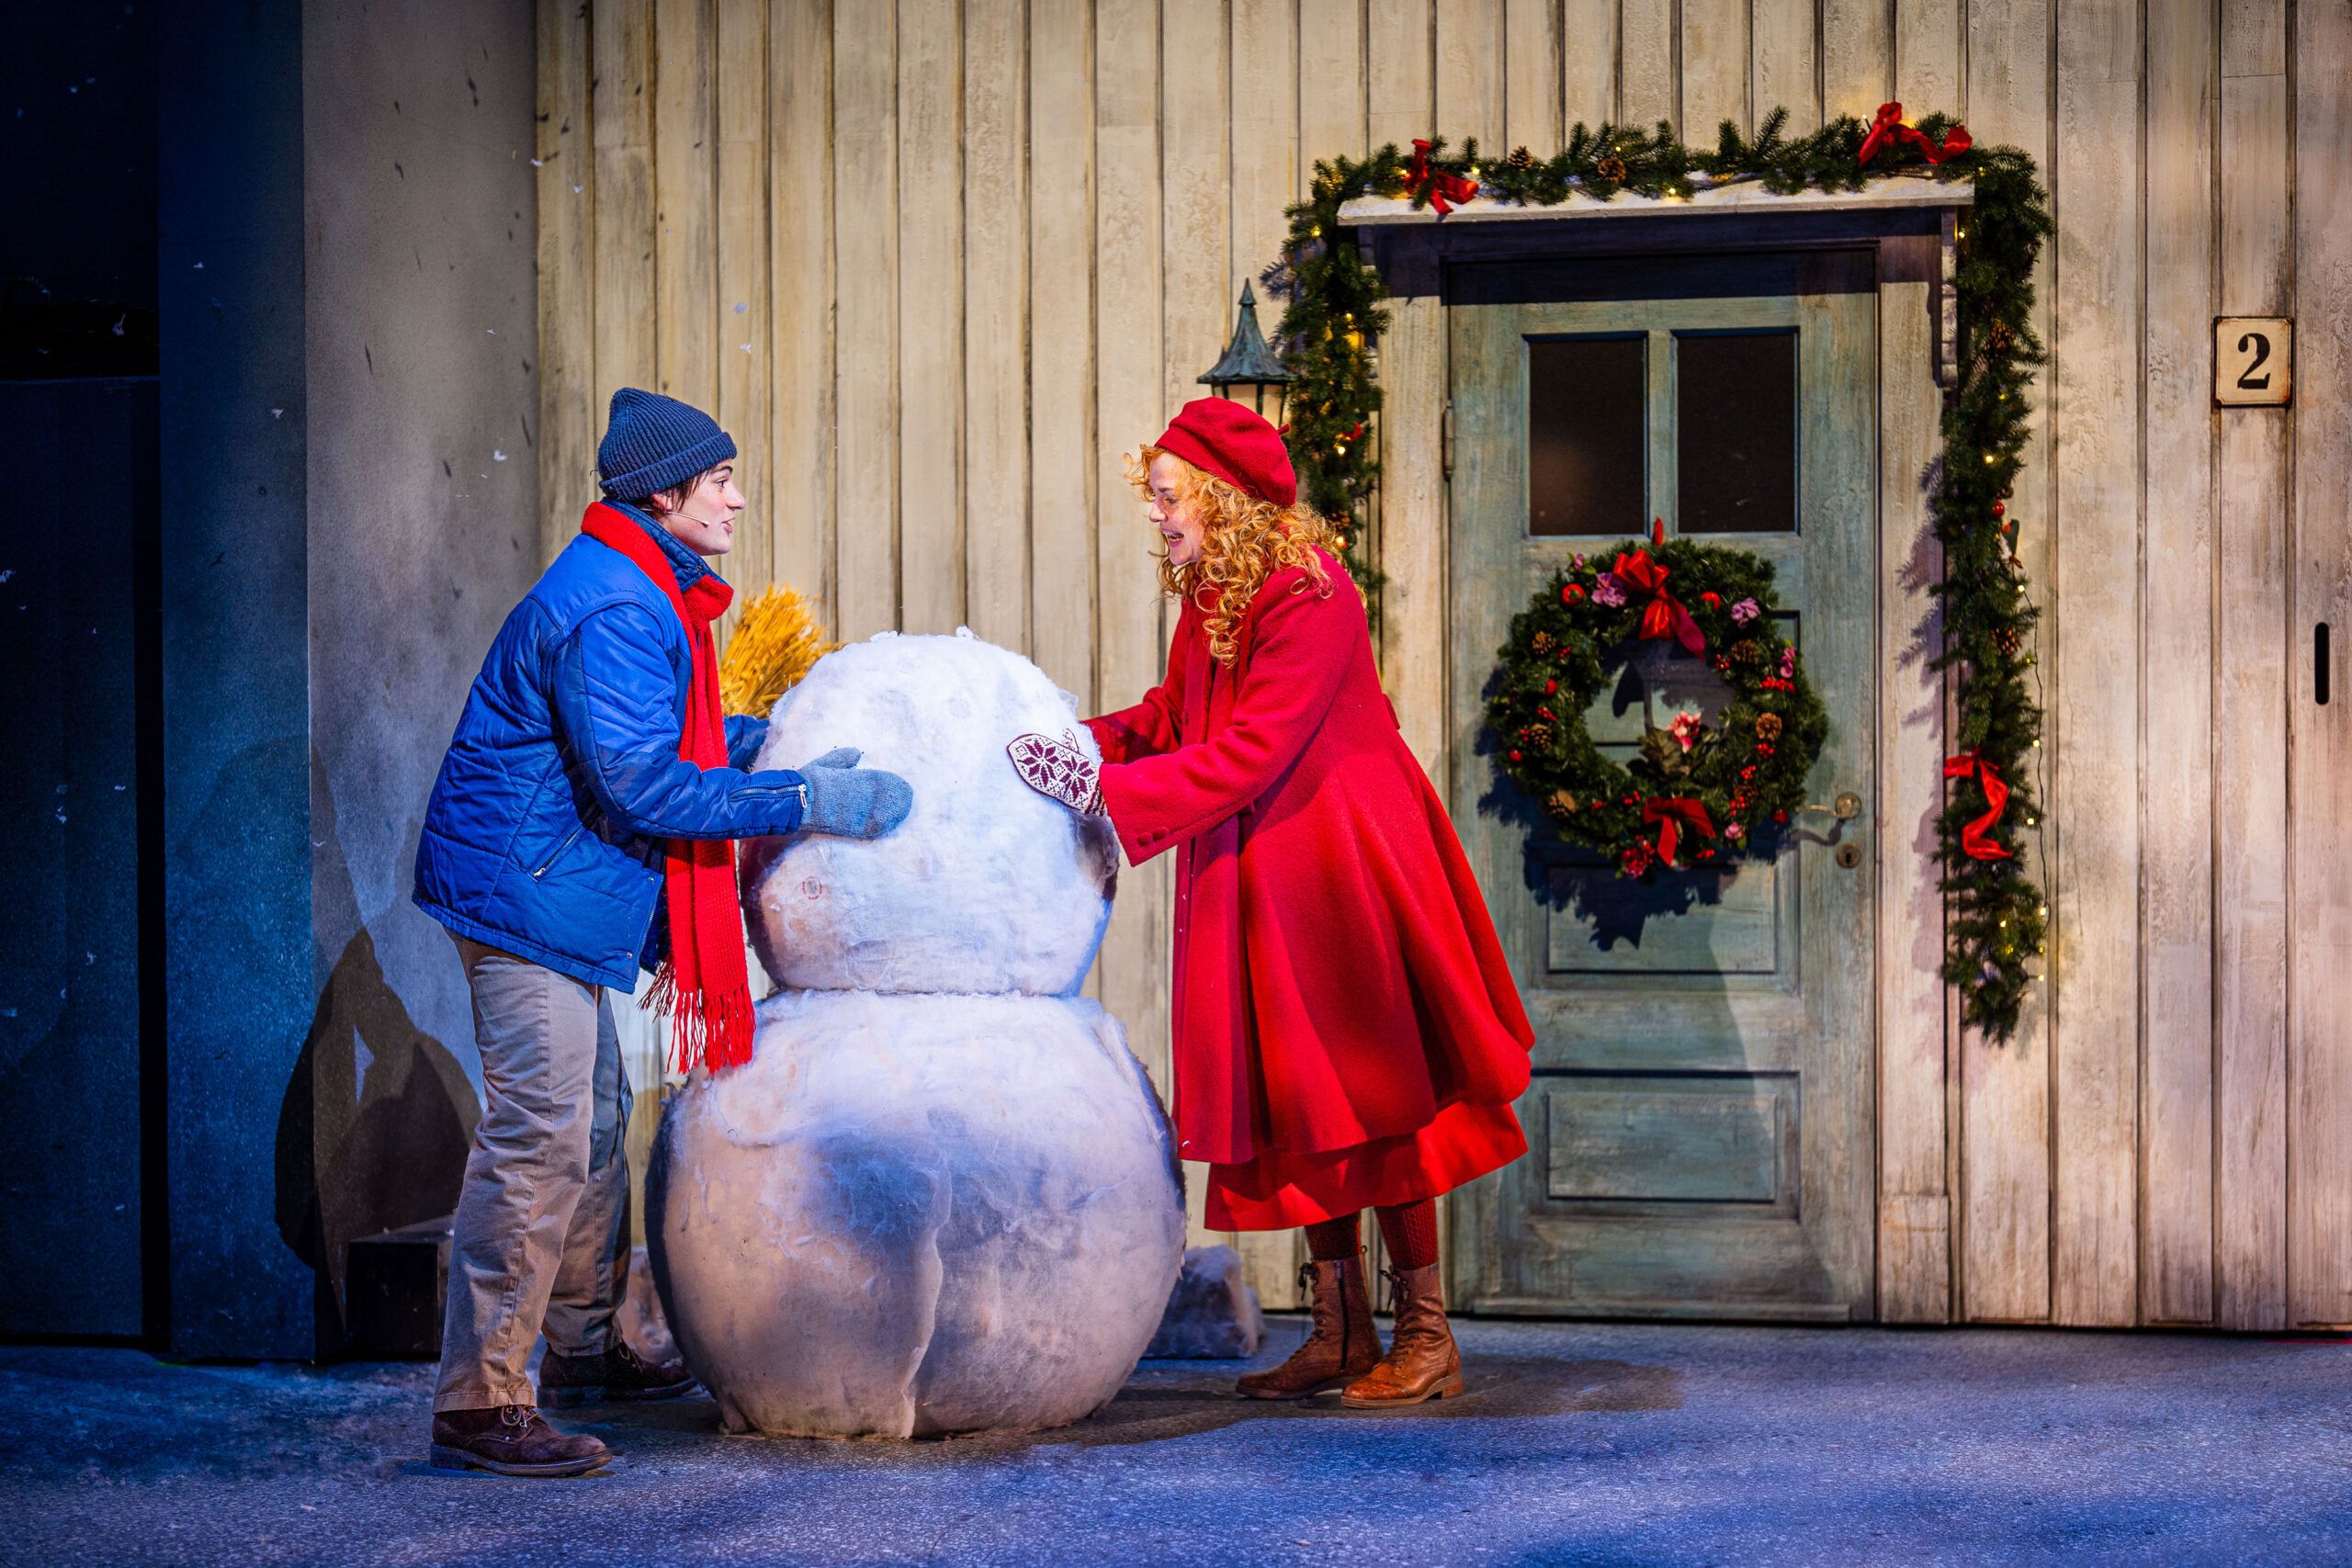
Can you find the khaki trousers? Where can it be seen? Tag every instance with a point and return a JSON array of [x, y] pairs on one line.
[[542, 1226]]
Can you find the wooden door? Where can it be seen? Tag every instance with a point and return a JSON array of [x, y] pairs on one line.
[[1700, 1119]]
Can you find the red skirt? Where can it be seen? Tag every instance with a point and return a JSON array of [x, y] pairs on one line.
[[1279, 1189]]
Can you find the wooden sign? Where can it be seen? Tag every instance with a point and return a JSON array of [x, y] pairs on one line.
[[2253, 360]]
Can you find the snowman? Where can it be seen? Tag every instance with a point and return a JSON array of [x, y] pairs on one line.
[[943, 1196]]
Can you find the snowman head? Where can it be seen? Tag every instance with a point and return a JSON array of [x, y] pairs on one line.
[[987, 886]]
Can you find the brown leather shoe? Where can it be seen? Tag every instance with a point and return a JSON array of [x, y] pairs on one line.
[[619, 1373], [1341, 1342], [511, 1439], [1422, 1362]]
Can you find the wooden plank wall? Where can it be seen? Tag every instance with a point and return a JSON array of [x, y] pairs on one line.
[[939, 262]]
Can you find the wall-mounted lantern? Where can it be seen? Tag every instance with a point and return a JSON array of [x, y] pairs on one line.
[[1250, 371]]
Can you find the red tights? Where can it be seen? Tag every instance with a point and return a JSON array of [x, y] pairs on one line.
[[1408, 1230]]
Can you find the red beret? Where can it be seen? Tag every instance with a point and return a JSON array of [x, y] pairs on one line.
[[1219, 437]]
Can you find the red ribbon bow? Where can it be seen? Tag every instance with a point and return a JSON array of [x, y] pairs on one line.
[[1972, 836], [1669, 816], [1664, 616], [1889, 126], [1444, 189]]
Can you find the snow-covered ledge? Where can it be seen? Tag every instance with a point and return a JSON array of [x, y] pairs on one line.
[[1742, 197], [1734, 195]]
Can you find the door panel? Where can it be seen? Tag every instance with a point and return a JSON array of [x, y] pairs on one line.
[[1699, 1120], [1661, 1139]]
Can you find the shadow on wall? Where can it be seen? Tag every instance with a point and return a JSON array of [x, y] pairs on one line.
[[374, 1128], [377, 1118]]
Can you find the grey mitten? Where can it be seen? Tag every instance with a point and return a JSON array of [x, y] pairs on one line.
[[854, 802]]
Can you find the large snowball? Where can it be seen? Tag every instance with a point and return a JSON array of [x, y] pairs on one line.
[[986, 886], [916, 1214]]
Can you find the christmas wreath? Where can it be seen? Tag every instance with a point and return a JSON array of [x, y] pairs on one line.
[[1699, 793]]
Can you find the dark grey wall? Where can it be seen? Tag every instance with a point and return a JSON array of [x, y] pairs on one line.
[[77, 662], [72, 637], [235, 652], [78, 140], [227, 1043], [350, 506], [423, 399]]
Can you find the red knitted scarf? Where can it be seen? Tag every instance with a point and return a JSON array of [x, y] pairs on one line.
[[702, 985]]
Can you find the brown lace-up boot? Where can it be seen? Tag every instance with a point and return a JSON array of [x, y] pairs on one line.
[[618, 1373], [511, 1439], [1341, 1342], [1421, 1363]]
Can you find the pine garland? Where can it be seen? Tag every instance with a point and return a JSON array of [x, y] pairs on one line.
[[1996, 920], [1332, 318]]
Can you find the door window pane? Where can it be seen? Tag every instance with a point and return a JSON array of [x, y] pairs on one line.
[[1586, 446], [1735, 432]]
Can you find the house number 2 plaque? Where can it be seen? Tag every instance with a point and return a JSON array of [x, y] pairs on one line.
[[2253, 360]]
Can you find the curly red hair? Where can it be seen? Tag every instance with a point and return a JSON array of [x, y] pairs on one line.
[[1244, 540]]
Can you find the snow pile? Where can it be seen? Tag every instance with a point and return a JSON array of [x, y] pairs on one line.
[[988, 886], [918, 1214], [942, 1197]]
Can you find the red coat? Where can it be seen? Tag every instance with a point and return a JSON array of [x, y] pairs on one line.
[[1346, 1028]]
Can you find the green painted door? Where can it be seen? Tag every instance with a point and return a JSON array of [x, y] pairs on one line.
[[1700, 1124]]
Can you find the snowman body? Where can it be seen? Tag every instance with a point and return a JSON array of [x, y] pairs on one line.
[[943, 1196]]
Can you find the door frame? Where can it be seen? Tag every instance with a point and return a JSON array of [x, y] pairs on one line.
[[1910, 224]]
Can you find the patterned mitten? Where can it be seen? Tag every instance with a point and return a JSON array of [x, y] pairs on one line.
[[1057, 769]]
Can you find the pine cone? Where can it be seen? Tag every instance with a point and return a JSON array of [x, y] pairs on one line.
[[1539, 734], [1767, 727], [2000, 336], [1520, 160], [1562, 805], [1544, 643], [1611, 168], [1744, 652], [2008, 640]]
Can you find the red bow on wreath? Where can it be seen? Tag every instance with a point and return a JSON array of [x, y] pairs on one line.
[[1444, 189], [1973, 837], [1669, 816], [1889, 126], [1664, 616]]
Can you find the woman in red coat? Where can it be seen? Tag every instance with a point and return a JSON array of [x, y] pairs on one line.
[[1347, 1033]]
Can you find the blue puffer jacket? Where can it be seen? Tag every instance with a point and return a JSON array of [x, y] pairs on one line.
[[544, 836]]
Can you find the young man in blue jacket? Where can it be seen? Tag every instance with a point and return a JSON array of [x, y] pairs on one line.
[[592, 784]]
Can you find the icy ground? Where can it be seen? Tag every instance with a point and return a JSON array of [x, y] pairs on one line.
[[1579, 1443]]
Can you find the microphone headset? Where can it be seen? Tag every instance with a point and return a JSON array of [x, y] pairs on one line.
[[680, 511]]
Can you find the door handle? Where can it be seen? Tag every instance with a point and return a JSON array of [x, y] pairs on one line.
[[1848, 806]]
